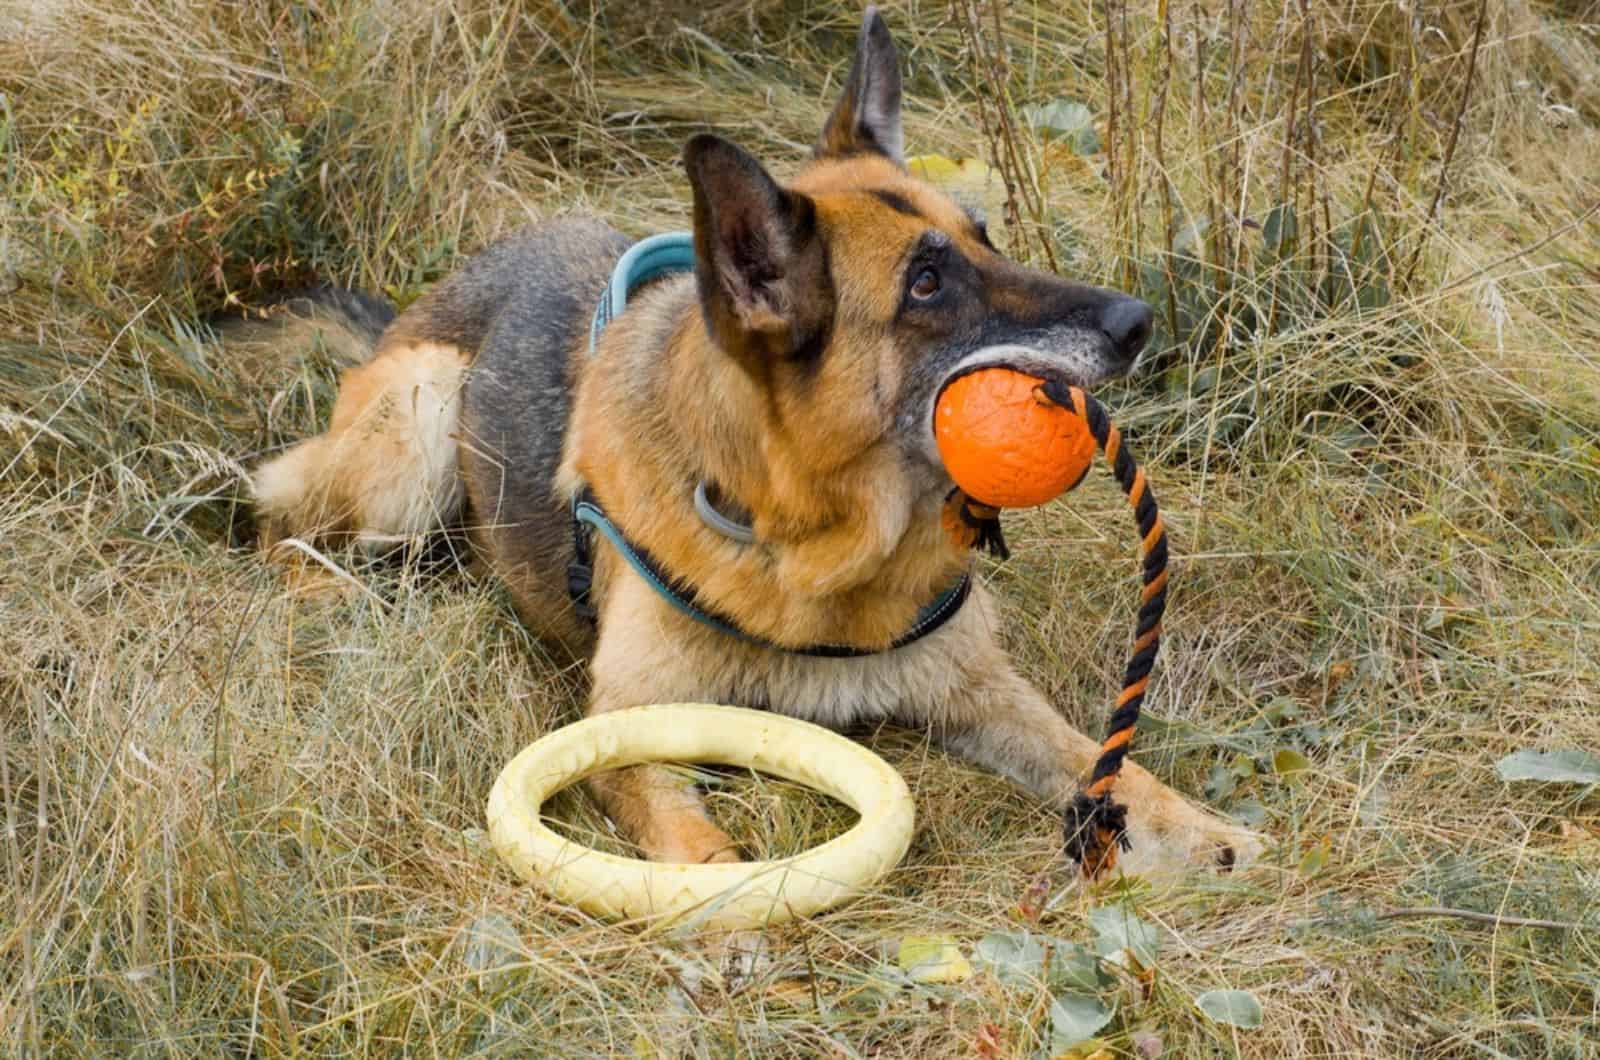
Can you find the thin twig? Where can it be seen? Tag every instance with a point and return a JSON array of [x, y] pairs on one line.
[[972, 26], [1232, 190], [1317, 254], [1121, 157], [1301, 68], [1113, 118], [1163, 83], [1483, 918], [1286, 193], [1577, 222], [1450, 146], [1033, 195], [991, 72]]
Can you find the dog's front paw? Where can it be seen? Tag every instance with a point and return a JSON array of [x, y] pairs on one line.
[[1196, 840], [689, 839], [1166, 833]]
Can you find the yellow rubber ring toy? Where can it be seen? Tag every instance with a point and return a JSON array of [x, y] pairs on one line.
[[734, 896]]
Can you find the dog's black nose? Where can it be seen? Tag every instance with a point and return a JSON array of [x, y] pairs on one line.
[[1126, 322]]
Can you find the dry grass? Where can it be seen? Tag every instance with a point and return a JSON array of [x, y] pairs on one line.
[[239, 825]]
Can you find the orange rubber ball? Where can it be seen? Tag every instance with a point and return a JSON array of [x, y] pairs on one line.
[[1007, 446]]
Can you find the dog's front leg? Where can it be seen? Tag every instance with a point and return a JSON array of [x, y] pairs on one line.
[[662, 815], [635, 664], [1003, 723], [659, 812]]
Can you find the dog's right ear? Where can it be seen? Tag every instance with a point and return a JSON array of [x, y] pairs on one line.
[[867, 117], [759, 262]]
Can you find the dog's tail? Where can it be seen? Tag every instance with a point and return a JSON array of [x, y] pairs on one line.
[[343, 325], [384, 471]]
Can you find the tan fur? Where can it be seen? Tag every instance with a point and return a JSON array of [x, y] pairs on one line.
[[849, 539], [852, 563], [856, 558], [386, 469], [958, 682]]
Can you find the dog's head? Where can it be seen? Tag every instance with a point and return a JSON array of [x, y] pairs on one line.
[[854, 293]]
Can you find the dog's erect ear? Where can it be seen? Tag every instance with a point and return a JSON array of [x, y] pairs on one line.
[[867, 116], [760, 265]]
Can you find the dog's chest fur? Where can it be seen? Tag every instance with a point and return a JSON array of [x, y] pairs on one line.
[[646, 648]]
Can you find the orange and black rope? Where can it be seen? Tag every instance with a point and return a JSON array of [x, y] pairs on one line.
[[1096, 825]]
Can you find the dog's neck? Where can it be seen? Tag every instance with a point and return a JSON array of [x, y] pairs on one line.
[[847, 547]]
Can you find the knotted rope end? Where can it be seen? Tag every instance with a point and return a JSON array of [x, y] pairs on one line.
[[1096, 828]]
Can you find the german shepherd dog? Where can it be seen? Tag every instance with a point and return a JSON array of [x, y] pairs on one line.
[[791, 378]]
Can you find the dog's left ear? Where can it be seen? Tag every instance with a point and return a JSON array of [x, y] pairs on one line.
[[760, 263], [867, 116]]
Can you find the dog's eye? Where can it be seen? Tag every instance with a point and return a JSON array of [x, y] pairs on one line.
[[925, 286]]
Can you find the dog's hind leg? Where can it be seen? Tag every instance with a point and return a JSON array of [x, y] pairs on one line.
[[386, 469]]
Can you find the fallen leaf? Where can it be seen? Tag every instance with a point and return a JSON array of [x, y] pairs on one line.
[[970, 181], [1554, 767], [933, 959], [1249, 812], [1074, 1018], [1287, 762], [1316, 857], [1014, 958], [1148, 1045], [1065, 120], [1072, 966], [1118, 931], [1018, 959], [1281, 226], [1236, 1008]]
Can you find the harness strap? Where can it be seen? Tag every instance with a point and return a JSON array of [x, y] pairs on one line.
[[587, 513], [647, 260]]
